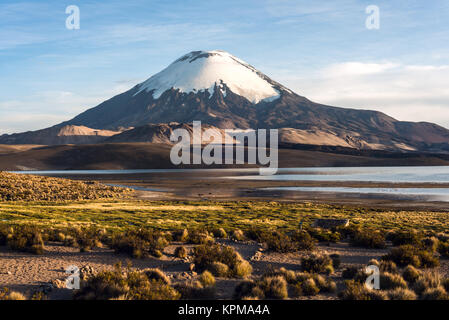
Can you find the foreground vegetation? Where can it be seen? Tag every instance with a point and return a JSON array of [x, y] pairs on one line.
[[415, 243]]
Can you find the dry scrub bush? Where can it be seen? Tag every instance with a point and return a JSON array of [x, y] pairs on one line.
[[204, 257], [193, 290], [220, 233], [26, 239], [358, 291], [427, 280], [391, 281], [405, 238], [317, 263], [140, 243], [218, 269], [409, 255], [238, 235], [181, 252], [368, 239], [411, 274], [401, 294], [124, 285], [438, 293], [199, 236], [207, 279], [270, 287], [181, 235], [156, 274]]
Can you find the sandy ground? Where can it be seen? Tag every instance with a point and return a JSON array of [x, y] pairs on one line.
[[29, 273]]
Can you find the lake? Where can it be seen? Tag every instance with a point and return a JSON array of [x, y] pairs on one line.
[[425, 175]]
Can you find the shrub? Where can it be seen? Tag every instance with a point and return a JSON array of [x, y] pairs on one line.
[[406, 238], [409, 255], [27, 239], [242, 269], [401, 294], [220, 233], [427, 280], [391, 281], [411, 274], [388, 266], [269, 287], [358, 291], [438, 293], [319, 263], [181, 252], [289, 275], [129, 285], [207, 279], [193, 290], [304, 241], [200, 236], [245, 289], [307, 287], [218, 269], [139, 243], [206, 255], [274, 287], [238, 235], [181, 235], [86, 238], [156, 274], [368, 239], [279, 242]]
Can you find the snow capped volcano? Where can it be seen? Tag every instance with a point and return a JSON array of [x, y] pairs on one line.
[[222, 91], [200, 71]]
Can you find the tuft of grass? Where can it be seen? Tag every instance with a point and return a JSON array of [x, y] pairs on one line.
[[368, 239], [125, 285], [157, 275], [409, 255], [26, 239], [401, 294], [317, 263], [204, 257], [139, 243], [193, 290], [390, 281], [207, 279], [181, 252], [411, 274], [357, 291]]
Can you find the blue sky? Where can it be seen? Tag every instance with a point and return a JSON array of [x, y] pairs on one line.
[[320, 49]]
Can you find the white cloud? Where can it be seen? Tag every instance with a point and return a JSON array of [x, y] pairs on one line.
[[406, 92]]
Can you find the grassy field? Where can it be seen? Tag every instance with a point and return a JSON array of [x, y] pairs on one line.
[[169, 215]]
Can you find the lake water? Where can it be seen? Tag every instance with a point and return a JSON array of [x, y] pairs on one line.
[[434, 175]]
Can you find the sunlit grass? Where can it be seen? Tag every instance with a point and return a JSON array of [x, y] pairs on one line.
[[169, 215]]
